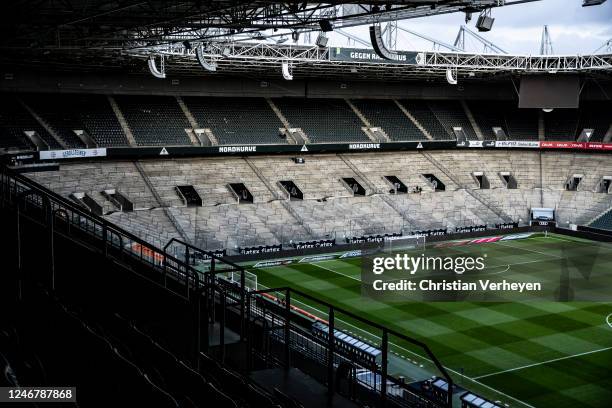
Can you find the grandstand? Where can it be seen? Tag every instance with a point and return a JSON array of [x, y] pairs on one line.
[[195, 196], [113, 121]]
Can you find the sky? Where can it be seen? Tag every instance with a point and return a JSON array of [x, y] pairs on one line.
[[517, 29]]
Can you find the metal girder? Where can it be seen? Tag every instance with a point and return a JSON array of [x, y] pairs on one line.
[[488, 46], [307, 62], [527, 63], [268, 53], [92, 23]]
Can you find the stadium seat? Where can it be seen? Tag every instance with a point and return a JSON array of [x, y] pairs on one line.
[[488, 115], [604, 221], [427, 118], [14, 121], [451, 114], [561, 124], [236, 120], [155, 120], [388, 116], [323, 120]]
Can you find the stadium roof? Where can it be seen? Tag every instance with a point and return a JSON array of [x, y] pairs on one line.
[[95, 35]]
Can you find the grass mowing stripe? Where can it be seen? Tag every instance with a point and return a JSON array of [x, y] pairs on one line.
[[543, 363], [533, 335]]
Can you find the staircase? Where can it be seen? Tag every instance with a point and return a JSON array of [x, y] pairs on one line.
[[280, 198], [470, 117], [211, 137], [278, 113], [160, 202], [190, 119], [608, 137], [122, 122], [358, 113], [378, 135], [541, 126], [45, 125], [413, 119], [286, 124], [387, 200], [496, 210]]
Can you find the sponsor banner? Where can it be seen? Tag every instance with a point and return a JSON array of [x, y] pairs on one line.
[[517, 236], [323, 243], [563, 145], [317, 258], [373, 238], [308, 259], [485, 240], [431, 233], [471, 228], [369, 55], [504, 226], [543, 223], [259, 250], [599, 146], [476, 143], [452, 244], [219, 253], [527, 144], [71, 154], [270, 264], [187, 151], [351, 254], [576, 146]]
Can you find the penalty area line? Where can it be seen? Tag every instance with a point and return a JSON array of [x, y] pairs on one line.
[[339, 273], [543, 362]]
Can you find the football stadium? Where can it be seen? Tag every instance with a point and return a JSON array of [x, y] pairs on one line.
[[196, 194]]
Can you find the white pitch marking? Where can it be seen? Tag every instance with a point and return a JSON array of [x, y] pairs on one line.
[[544, 362], [609, 320], [527, 249], [339, 273]]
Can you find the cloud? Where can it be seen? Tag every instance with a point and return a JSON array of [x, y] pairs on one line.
[[518, 28]]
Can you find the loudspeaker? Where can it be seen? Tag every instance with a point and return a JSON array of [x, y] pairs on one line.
[[484, 23], [326, 26], [209, 66], [378, 43], [322, 40]]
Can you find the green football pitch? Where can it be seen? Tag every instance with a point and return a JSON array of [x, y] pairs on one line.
[[525, 354]]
